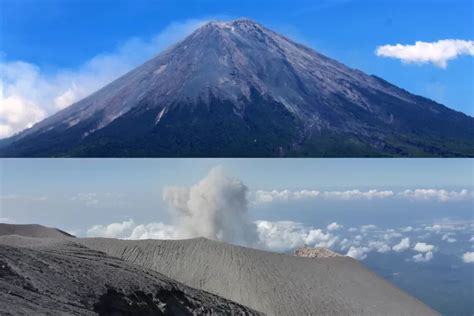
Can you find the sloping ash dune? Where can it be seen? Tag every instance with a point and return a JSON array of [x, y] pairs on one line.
[[275, 284]]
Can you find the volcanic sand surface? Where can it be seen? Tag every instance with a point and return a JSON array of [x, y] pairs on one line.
[[60, 276], [276, 284]]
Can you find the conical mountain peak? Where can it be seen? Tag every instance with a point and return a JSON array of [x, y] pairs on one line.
[[242, 27], [236, 88], [242, 22]]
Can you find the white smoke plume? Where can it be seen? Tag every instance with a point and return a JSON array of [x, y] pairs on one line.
[[214, 208]]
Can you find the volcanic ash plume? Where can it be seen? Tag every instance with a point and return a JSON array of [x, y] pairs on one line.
[[214, 208]]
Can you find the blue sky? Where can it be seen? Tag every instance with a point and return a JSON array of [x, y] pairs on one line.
[[71, 48]]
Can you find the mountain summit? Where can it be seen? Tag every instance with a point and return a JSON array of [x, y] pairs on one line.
[[238, 89]]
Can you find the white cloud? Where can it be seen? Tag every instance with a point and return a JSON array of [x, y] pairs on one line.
[[434, 194], [379, 246], [391, 235], [366, 228], [114, 230], [359, 253], [334, 226], [403, 245], [154, 231], [357, 194], [28, 94], [449, 238], [448, 225], [317, 238], [262, 196], [129, 230], [346, 243], [434, 228], [6, 220], [468, 257], [423, 258], [17, 113], [407, 229], [423, 247], [71, 95], [285, 235], [438, 53]]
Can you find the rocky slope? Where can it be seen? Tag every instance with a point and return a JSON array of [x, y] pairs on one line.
[[319, 252], [239, 89]]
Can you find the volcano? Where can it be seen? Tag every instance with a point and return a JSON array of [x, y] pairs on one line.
[[238, 89]]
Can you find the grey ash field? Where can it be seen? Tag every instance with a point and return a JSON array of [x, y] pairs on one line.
[[44, 270], [238, 89]]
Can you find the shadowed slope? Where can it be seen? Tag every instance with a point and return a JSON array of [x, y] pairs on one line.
[[59, 276]]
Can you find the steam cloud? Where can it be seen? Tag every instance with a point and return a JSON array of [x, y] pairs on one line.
[[214, 208]]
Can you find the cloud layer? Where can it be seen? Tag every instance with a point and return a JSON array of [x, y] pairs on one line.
[[433, 194], [263, 196], [28, 94], [437, 53]]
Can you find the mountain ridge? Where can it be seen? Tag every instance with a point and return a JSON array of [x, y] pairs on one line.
[[32, 230]]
